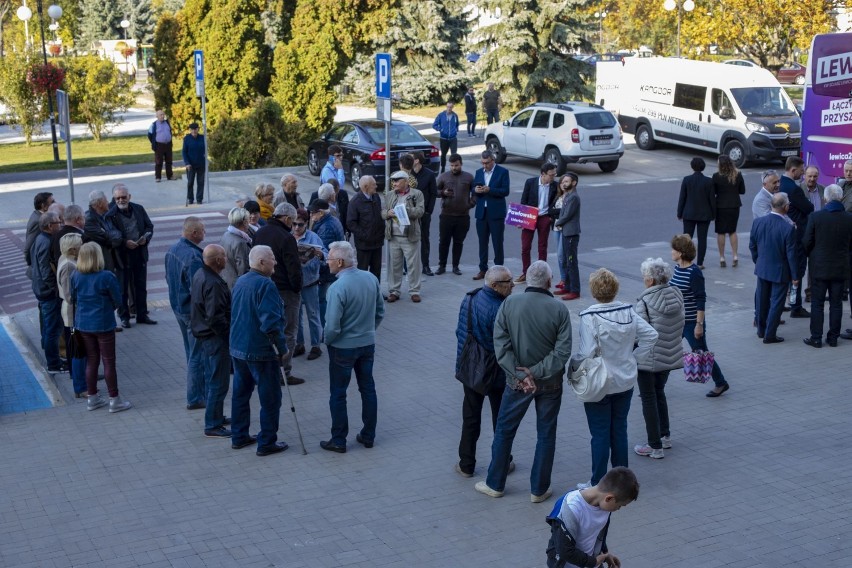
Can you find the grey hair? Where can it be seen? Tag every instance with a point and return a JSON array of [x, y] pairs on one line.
[[364, 180], [284, 210], [256, 253], [242, 198], [780, 200], [847, 163], [237, 216], [345, 251], [95, 196], [74, 213], [70, 242], [57, 208], [119, 186], [287, 177], [46, 219], [832, 192], [487, 155], [496, 272], [657, 270], [539, 274], [325, 191]]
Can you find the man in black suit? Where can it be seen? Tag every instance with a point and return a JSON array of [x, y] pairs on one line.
[[428, 185], [540, 192], [696, 206], [828, 242], [800, 208], [773, 250]]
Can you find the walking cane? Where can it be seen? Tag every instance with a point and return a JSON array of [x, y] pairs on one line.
[[289, 394]]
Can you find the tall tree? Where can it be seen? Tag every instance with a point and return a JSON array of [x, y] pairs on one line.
[[657, 30], [99, 19], [164, 62], [528, 50], [140, 14]]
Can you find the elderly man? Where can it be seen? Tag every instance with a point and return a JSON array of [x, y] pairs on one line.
[[338, 200], [491, 186], [98, 228], [482, 305], [812, 188], [210, 322], [41, 203], [329, 229], [364, 219], [532, 341], [47, 293], [75, 220], [160, 136], [289, 192], [773, 250], [182, 261], [403, 240], [287, 277], [828, 242], [257, 322], [762, 204], [136, 231], [237, 243], [355, 310], [798, 211]]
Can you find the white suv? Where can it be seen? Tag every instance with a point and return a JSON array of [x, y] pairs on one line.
[[572, 132]]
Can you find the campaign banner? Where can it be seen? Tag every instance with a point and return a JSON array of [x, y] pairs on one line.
[[831, 65], [522, 216]]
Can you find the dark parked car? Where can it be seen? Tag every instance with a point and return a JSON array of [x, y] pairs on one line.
[[792, 73], [363, 144]]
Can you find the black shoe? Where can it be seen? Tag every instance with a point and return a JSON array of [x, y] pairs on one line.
[[200, 201], [760, 335], [146, 321], [125, 323], [800, 313], [832, 342], [276, 448], [298, 350], [361, 440], [428, 271], [332, 447], [714, 394], [785, 309], [456, 271], [315, 353], [775, 339], [60, 369], [813, 342], [247, 442], [189, 202], [226, 421], [291, 380], [196, 406], [441, 270], [220, 432]]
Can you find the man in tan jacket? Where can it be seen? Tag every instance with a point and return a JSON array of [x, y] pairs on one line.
[[403, 236]]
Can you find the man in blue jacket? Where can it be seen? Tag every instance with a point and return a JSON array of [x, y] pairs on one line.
[[800, 208], [446, 125], [490, 186], [196, 165]]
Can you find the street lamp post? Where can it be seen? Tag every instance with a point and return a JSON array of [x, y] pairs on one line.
[[686, 5], [124, 25], [24, 14], [600, 16]]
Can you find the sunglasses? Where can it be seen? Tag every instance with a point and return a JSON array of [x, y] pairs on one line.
[[298, 224]]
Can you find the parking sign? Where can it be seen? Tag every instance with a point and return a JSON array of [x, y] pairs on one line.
[[198, 58], [383, 75]]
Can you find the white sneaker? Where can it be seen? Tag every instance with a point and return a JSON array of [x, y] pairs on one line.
[[540, 498], [95, 401], [667, 442], [646, 450], [483, 488], [582, 486], [116, 404]]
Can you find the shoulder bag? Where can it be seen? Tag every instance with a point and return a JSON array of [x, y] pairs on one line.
[[477, 367], [588, 377]]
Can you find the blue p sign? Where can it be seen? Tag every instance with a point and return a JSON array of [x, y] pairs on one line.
[[198, 58], [383, 75]]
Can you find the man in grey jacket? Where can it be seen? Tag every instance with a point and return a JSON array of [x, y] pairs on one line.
[[532, 341]]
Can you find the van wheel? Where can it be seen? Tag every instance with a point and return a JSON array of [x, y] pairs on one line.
[[736, 152], [493, 145], [553, 156], [608, 167], [644, 138]]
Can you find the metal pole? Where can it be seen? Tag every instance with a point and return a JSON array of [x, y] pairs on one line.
[[49, 97], [679, 4]]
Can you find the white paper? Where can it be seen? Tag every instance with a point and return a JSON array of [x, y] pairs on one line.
[[402, 215]]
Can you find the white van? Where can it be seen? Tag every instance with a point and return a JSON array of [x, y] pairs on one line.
[[740, 111]]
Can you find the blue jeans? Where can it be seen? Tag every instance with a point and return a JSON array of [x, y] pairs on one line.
[[195, 390], [267, 376], [696, 344], [607, 420], [51, 329], [323, 288], [78, 374], [341, 363], [512, 409], [310, 301], [572, 268], [217, 371]]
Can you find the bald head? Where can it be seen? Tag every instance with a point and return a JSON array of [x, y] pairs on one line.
[[193, 229], [214, 258]]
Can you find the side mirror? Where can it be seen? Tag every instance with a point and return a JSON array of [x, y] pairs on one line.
[[726, 113], [505, 123]]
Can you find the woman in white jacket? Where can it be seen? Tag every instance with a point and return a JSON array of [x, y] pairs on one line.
[[617, 328]]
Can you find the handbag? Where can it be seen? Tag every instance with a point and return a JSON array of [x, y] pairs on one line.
[[588, 377], [76, 348], [477, 367], [698, 366]]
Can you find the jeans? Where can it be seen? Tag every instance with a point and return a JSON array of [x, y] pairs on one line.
[[341, 363], [701, 344], [493, 229], [703, 226], [323, 289], [560, 258], [542, 228], [370, 260], [655, 409], [267, 377], [835, 307], [472, 421], [162, 153], [451, 228], [471, 123], [450, 145], [195, 389], [512, 409], [425, 245], [194, 174], [607, 420], [572, 267], [100, 346], [292, 303], [51, 329], [310, 301], [217, 371]]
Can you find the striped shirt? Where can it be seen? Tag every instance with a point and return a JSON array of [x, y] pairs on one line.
[[690, 282]]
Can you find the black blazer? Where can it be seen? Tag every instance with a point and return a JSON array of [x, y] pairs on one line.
[[697, 198], [530, 194], [800, 206], [727, 193], [828, 241]]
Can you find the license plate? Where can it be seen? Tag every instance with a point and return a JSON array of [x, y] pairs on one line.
[[604, 142], [786, 153]]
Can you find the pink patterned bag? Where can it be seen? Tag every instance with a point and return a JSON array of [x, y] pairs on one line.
[[698, 366]]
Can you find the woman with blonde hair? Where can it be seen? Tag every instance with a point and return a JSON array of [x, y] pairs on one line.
[[69, 246], [265, 193], [728, 185], [96, 294]]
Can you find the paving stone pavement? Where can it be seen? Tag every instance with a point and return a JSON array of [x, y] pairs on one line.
[[755, 478]]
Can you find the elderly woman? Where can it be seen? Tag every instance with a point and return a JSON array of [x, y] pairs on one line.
[[661, 306], [613, 328], [95, 294], [689, 279], [264, 193], [326, 193], [311, 264], [236, 242], [728, 185], [69, 246]]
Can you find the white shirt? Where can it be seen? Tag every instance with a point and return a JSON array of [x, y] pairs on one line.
[[543, 194], [486, 175], [591, 520]]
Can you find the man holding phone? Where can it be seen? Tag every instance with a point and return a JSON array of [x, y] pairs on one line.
[[333, 168], [490, 186]]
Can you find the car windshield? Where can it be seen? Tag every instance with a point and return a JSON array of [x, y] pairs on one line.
[[764, 101], [399, 133], [595, 120]]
